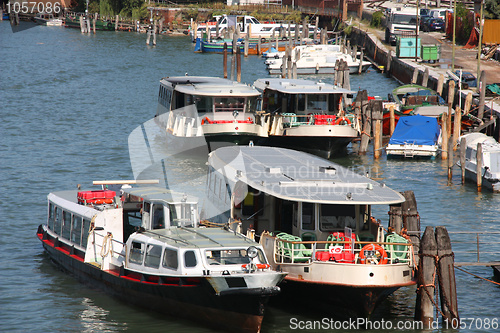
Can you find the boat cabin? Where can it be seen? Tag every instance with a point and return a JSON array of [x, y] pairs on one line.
[[215, 98], [280, 190]]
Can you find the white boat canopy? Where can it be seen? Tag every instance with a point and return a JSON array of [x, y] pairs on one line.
[[205, 86], [298, 176], [299, 86]]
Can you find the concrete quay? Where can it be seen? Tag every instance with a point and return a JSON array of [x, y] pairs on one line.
[[402, 69]]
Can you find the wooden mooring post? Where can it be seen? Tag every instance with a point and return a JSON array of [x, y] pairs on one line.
[[444, 136], [238, 64], [482, 94], [451, 98], [440, 84], [424, 307], [392, 120], [457, 127], [411, 221], [377, 116], [224, 60], [450, 161], [462, 158], [479, 167]]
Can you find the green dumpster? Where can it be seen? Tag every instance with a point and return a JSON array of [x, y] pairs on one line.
[[431, 52], [405, 47]]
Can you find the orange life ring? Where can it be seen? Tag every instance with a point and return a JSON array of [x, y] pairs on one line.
[[373, 247], [341, 120]]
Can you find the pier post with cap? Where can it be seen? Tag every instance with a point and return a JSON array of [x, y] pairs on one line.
[[444, 136], [224, 60], [462, 158], [479, 166]]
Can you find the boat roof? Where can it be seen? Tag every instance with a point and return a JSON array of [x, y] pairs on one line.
[[298, 176], [211, 86], [299, 86], [201, 237], [155, 193], [410, 88], [489, 143]]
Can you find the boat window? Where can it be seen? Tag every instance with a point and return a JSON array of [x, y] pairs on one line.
[[190, 259], [50, 222], [227, 257], [251, 104], [182, 215], [76, 230], [58, 220], [203, 103], [158, 217], [85, 233], [317, 102], [66, 229], [301, 102], [136, 253], [307, 216], [229, 104], [253, 203], [333, 102], [170, 259], [335, 217], [153, 256]]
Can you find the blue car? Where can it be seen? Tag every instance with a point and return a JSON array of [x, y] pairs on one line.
[[434, 24]]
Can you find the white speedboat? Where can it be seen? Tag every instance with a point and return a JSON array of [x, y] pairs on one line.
[[144, 246], [317, 59], [491, 160], [307, 115], [314, 218], [48, 19], [224, 113]]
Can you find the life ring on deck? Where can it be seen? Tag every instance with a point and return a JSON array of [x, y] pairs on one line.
[[342, 121], [373, 247], [206, 120]]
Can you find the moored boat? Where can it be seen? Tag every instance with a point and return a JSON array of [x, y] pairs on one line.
[[490, 166], [224, 112], [415, 137], [48, 19], [323, 234], [144, 246], [307, 115]]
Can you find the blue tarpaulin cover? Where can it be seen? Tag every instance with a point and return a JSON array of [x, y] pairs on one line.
[[419, 130]]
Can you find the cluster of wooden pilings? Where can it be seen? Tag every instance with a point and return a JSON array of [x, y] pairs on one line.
[[235, 62], [436, 273], [434, 264], [371, 114]]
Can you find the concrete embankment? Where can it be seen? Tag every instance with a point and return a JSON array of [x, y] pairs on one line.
[[403, 70]]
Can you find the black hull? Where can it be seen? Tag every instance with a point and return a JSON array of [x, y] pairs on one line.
[[189, 298], [326, 147], [342, 301]]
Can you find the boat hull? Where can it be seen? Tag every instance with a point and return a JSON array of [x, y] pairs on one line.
[[190, 298], [319, 70]]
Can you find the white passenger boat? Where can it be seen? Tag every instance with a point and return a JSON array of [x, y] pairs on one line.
[[490, 168], [314, 221], [144, 246], [317, 59], [307, 115], [224, 113]]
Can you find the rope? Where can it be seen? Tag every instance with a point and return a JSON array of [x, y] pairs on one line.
[[107, 245], [91, 227], [482, 278]]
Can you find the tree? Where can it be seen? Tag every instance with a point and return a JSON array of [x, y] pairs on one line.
[[492, 9]]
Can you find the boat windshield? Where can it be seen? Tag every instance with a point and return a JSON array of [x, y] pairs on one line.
[[231, 257], [229, 104], [337, 217], [183, 215]]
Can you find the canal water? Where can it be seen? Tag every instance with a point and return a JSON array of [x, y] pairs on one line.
[[68, 105]]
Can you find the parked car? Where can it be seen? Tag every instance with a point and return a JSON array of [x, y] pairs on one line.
[[423, 19], [439, 13], [433, 24]]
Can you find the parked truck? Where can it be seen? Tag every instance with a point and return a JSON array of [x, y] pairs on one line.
[[400, 20]]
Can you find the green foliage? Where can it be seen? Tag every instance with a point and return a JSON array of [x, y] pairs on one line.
[[492, 9], [105, 8], [128, 6], [377, 19], [141, 13], [465, 27]]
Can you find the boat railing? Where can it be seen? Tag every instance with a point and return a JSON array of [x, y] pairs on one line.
[[293, 120], [353, 252]]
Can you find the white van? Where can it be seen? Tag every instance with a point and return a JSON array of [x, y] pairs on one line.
[[439, 13]]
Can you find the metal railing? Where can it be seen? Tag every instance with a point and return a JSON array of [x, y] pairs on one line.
[[287, 251]]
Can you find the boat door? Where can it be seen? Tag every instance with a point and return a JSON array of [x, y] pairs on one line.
[[153, 216]]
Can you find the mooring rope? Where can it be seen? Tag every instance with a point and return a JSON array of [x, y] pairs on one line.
[[463, 270]]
